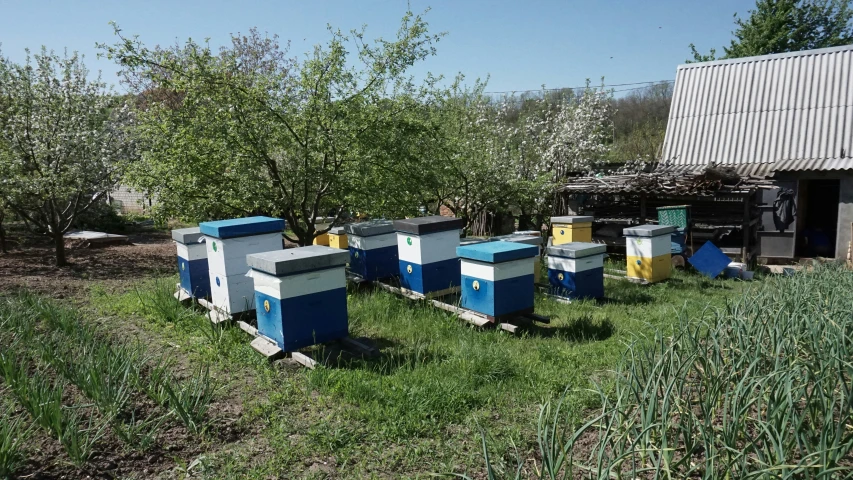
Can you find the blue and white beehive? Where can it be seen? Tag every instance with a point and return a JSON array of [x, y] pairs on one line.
[[576, 270], [497, 278], [372, 249], [192, 262], [427, 250], [300, 295], [228, 242]]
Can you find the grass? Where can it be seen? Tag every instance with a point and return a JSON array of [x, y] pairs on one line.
[[419, 407], [758, 388]]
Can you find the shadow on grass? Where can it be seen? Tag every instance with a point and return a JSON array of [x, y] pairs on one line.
[[696, 282], [392, 356], [628, 297], [584, 329]]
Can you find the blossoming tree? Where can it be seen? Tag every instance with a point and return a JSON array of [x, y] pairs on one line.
[[65, 138]]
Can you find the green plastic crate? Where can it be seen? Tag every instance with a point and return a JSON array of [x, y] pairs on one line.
[[675, 215]]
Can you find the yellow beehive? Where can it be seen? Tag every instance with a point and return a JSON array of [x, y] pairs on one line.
[[322, 240], [571, 229], [338, 238], [648, 252]]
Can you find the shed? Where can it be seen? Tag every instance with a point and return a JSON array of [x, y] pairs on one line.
[[787, 117], [758, 146]]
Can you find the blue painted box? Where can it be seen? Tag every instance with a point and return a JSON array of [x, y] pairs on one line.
[[192, 262], [426, 246], [300, 295], [576, 270], [373, 249], [497, 278]]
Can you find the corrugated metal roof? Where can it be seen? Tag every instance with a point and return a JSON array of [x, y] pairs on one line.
[[791, 109]]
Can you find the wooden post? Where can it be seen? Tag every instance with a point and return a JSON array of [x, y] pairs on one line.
[[747, 228], [642, 209]]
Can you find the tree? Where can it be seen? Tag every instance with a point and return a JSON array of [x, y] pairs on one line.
[[778, 26], [252, 130], [65, 141]]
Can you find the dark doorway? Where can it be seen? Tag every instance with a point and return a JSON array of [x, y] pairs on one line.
[[817, 224]]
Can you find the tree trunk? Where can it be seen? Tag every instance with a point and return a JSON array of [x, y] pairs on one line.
[[2, 233], [59, 243]]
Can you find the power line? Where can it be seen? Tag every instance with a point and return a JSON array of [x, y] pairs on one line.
[[584, 86]]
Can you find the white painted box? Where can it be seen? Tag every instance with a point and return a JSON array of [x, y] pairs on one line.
[[232, 294], [228, 256], [648, 247], [429, 248]]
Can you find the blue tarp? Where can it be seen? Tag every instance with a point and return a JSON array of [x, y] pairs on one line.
[[709, 260]]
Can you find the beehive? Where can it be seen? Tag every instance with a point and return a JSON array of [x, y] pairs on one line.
[[228, 242], [322, 239], [571, 229], [427, 250], [576, 270], [648, 252], [192, 262], [497, 278], [300, 295], [527, 240], [372, 249], [338, 238]]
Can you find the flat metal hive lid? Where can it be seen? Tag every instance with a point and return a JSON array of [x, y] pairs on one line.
[[572, 219], [337, 230], [526, 239], [297, 260], [576, 249], [187, 235], [497, 252], [370, 229], [648, 230], [242, 227], [425, 225]]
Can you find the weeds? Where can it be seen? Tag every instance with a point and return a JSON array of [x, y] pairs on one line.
[[158, 302]]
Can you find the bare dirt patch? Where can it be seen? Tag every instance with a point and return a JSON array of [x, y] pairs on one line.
[[31, 265]]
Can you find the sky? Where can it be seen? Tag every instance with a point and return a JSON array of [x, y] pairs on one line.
[[518, 45]]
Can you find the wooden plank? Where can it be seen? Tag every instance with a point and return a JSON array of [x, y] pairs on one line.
[[639, 281], [508, 327], [304, 360], [206, 304], [266, 348], [431, 295], [218, 317], [558, 299], [462, 313], [356, 345], [247, 328]]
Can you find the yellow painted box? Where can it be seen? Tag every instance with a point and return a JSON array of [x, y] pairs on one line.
[[648, 252], [338, 238], [654, 269], [571, 228], [322, 240]]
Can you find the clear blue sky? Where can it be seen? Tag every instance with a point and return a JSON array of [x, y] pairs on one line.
[[520, 44]]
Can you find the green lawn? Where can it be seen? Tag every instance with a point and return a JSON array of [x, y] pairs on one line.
[[418, 408]]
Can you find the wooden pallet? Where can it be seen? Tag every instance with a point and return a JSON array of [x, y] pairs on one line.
[[271, 351], [638, 281], [470, 316], [181, 295]]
